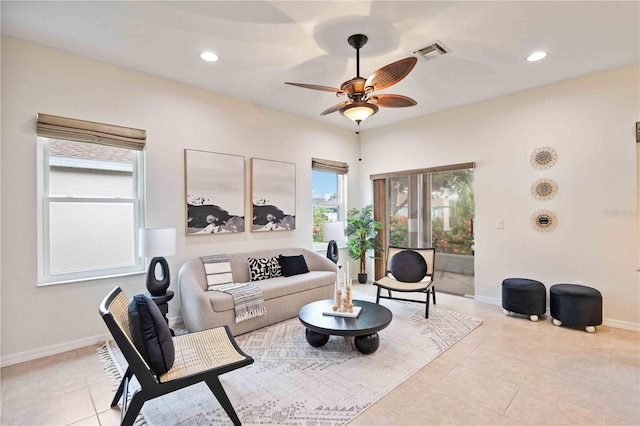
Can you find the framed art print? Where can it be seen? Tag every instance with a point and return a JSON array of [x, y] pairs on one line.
[[273, 194], [214, 192]]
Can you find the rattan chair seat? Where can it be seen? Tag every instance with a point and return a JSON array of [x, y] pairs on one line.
[[390, 283], [197, 352]]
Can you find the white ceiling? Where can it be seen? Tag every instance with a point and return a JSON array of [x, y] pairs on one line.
[[262, 44]]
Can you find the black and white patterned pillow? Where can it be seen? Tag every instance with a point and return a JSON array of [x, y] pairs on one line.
[[264, 268], [276, 269], [259, 269]]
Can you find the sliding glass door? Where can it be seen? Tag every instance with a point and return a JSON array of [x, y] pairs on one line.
[[432, 208], [452, 211]]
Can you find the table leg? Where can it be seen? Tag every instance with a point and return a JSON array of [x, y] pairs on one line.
[[316, 339], [367, 344]]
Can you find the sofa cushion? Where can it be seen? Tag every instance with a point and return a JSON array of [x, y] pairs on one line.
[[293, 265], [277, 287], [150, 333], [259, 269], [263, 268], [276, 269]]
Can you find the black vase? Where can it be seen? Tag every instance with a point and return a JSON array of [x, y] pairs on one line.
[[362, 278]]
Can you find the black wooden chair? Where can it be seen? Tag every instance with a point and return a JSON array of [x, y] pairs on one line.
[[199, 357], [408, 270]]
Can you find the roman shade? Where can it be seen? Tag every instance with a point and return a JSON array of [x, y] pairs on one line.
[[329, 166], [52, 126]]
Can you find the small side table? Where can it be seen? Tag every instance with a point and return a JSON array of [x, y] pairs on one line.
[[162, 302]]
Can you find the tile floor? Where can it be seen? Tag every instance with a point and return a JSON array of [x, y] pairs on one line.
[[509, 371]]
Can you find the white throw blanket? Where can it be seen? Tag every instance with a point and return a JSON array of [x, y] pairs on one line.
[[248, 301]]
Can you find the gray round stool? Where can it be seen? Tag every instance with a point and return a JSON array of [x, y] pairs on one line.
[[575, 304], [524, 296]]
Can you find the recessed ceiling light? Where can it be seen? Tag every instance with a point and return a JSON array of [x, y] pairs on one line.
[[209, 56], [536, 56]]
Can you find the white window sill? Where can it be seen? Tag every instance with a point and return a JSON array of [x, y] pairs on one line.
[[78, 280]]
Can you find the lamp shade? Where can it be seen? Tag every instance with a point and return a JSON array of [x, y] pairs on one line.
[[157, 242], [359, 111], [333, 231]]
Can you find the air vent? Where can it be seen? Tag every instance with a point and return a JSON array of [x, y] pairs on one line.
[[433, 51]]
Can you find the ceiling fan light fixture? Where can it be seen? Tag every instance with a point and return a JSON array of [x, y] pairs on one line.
[[359, 111]]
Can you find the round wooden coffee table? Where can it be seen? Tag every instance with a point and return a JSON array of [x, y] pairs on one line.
[[364, 328]]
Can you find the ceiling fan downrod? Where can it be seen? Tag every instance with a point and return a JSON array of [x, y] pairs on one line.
[[357, 41]]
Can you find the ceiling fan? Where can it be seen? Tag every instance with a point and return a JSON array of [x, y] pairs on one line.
[[362, 100]]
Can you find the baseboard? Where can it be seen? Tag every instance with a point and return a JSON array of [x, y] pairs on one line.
[[52, 350], [625, 325], [488, 300]]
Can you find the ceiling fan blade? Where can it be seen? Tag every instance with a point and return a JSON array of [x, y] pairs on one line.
[[391, 74], [316, 87], [392, 101], [334, 108]]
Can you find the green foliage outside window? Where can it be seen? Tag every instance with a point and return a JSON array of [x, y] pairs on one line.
[[320, 217], [459, 238], [398, 231], [457, 187]]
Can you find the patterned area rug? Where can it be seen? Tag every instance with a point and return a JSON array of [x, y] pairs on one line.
[[292, 383]]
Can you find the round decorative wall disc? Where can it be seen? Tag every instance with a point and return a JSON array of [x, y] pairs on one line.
[[544, 221], [543, 157], [544, 189]]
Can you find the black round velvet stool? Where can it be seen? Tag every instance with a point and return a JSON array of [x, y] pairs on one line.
[[575, 304], [524, 296]]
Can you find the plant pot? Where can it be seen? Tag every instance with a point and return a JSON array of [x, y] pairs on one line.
[[362, 278]]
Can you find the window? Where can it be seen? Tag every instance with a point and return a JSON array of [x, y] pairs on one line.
[[329, 190], [90, 206]]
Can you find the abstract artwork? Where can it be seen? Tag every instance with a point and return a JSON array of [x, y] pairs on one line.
[[273, 191], [215, 192]]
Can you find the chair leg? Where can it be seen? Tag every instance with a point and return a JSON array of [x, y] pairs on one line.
[[218, 391], [133, 409], [433, 293], [378, 296], [426, 309], [127, 376]]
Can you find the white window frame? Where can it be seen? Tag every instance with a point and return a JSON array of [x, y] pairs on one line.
[[45, 277], [342, 209]]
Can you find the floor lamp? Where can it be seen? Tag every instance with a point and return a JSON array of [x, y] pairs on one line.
[[157, 243]]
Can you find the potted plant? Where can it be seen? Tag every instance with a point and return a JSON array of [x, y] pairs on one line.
[[361, 234]]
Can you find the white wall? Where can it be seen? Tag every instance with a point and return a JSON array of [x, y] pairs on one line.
[[590, 122], [40, 320]]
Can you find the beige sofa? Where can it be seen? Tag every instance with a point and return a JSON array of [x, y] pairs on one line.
[[283, 296]]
